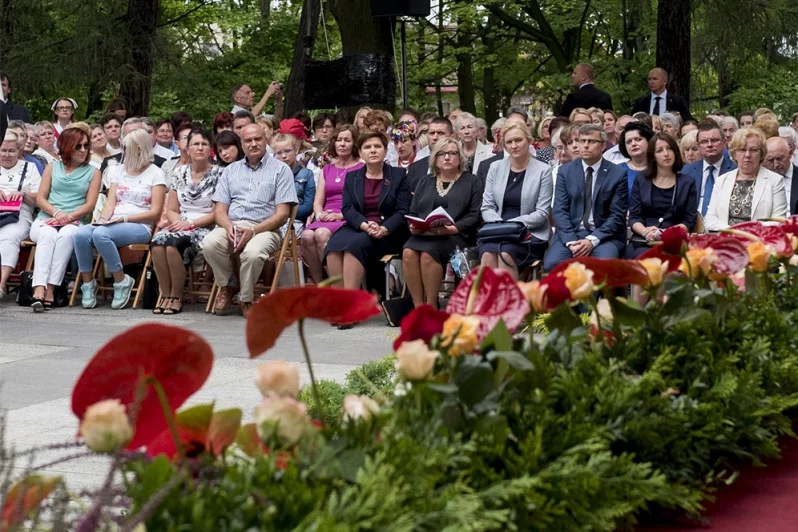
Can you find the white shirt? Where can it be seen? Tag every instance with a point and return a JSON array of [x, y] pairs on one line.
[[134, 192], [166, 153], [662, 102], [422, 153], [585, 84], [705, 174], [9, 182], [788, 187], [237, 108], [615, 156]]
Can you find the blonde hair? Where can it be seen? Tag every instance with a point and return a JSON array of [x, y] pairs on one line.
[[83, 126], [44, 124], [438, 147], [689, 140], [548, 118], [768, 124], [740, 139], [656, 123], [137, 149], [10, 136], [299, 145], [579, 111], [520, 127], [595, 112], [762, 111]]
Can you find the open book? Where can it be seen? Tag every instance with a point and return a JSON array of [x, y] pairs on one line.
[[436, 218]]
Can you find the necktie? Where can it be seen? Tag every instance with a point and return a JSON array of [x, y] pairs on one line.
[[656, 105], [710, 184], [588, 197]]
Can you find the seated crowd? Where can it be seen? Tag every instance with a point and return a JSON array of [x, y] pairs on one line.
[[588, 184]]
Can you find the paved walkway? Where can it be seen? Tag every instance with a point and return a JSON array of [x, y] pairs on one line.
[[42, 355]]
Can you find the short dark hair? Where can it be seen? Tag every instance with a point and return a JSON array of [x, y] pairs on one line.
[[644, 118], [372, 134], [117, 104], [351, 129], [746, 113], [557, 122], [429, 117], [4, 76], [244, 114], [409, 111], [180, 117], [224, 139], [183, 127], [303, 117], [706, 125], [517, 111], [201, 131], [443, 121], [235, 89], [321, 118], [651, 173], [645, 131], [107, 117], [342, 116]]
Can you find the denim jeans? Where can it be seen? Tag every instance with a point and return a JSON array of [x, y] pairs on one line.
[[107, 239]]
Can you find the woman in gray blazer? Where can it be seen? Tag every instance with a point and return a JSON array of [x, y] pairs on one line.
[[518, 189]]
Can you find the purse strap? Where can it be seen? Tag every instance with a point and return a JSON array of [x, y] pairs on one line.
[[22, 177]]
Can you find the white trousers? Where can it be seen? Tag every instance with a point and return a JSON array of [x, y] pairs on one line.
[[11, 236], [53, 252]]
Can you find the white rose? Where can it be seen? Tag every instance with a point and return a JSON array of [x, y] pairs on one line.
[[414, 360], [105, 426], [359, 407], [604, 312], [284, 417], [278, 377]]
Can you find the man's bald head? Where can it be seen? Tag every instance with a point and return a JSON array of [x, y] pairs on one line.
[[657, 80], [778, 158], [582, 73], [253, 140]]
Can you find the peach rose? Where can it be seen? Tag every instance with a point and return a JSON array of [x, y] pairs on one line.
[[359, 407], [758, 257], [579, 281], [278, 377], [697, 261], [461, 332], [284, 417], [656, 270], [414, 360], [535, 294], [105, 426]]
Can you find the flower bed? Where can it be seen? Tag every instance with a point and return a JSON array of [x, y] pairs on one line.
[[646, 411]]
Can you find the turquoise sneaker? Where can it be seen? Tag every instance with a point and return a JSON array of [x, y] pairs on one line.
[[89, 294], [122, 291]]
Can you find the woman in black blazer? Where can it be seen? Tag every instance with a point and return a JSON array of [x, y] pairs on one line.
[[661, 196], [459, 193], [376, 199]]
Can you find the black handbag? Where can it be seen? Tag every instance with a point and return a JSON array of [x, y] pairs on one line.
[[503, 233], [13, 217], [151, 292], [397, 308], [25, 294]]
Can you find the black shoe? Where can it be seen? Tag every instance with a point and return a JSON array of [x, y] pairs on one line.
[[37, 305], [345, 327]]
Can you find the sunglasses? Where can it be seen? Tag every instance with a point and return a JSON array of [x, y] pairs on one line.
[[84, 146]]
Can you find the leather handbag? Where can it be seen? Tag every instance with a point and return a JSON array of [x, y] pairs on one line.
[[503, 233], [397, 308], [11, 216]]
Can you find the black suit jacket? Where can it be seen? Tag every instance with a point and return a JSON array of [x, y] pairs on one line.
[[484, 166], [587, 96], [674, 102], [684, 209], [792, 201], [416, 171], [157, 161], [3, 120], [394, 198]]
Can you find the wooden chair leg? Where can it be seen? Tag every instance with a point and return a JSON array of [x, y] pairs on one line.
[[280, 260], [29, 264], [298, 281], [211, 298], [142, 278]]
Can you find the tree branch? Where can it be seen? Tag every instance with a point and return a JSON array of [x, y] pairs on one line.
[[184, 15]]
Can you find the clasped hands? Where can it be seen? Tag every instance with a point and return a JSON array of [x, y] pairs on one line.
[[581, 248], [374, 229], [239, 236], [651, 233]]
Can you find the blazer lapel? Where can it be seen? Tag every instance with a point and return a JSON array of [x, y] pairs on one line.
[[386, 184], [500, 183], [759, 190], [599, 180], [358, 183], [793, 206]]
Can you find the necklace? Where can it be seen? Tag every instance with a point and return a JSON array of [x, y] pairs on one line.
[[442, 191]]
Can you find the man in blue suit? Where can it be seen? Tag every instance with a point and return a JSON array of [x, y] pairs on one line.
[[589, 204], [714, 162]]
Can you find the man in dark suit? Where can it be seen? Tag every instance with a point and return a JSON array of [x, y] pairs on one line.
[[586, 94], [13, 111], [3, 119], [714, 162], [779, 160], [589, 204], [659, 100], [439, 128]]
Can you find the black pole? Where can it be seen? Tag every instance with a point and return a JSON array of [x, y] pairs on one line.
[[404, 65]]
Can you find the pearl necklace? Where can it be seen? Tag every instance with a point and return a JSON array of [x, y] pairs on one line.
[[439, 185]]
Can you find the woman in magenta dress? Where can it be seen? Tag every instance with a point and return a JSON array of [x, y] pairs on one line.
[[327, 218]]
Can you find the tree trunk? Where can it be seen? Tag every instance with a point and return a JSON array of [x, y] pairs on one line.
[[673, 44], [725, 83], [265, 12], [361, 33], [303, 50], [141, 20], [490, 95], [465, 71]]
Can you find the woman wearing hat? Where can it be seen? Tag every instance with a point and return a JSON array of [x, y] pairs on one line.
[[403, 136], [63, 114]]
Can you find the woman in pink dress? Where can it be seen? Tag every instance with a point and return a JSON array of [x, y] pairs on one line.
[[327, 217]]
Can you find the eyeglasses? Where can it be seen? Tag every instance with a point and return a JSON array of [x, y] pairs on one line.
[[84, 146], [590, 141], [451, 154], [284, 152], [706, 142], [747, 151], [64, 108]]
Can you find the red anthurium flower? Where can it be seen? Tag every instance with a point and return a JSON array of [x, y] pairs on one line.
[[772, 236], [673, 238], [659, 252], [201, 430], [731, 254], [556, 292], [615, 273], [23, 498], [279, 310], [177, 358], [498, 297], [422, 323]]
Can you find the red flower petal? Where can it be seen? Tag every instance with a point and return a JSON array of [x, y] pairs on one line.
[[556, 292], [615, 273], [673, 238], [773, 236], [732, 255], [275, 312], [498, 298], [24, 497], [422, 323], [658, 252], [179, 359]]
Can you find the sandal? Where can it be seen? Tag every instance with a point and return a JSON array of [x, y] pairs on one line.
[[48, 305], [169, 311], [37, 304], [159, 309]]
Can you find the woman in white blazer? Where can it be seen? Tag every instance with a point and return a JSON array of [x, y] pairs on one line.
[[475, 151], [751, 192]]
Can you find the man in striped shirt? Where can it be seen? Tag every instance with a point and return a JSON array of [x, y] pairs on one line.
[[253, 199]]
